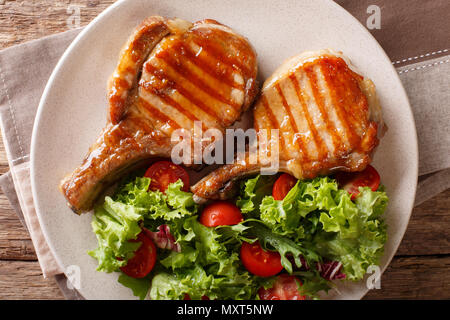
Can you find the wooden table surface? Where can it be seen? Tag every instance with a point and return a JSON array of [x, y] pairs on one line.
[[420, 269]]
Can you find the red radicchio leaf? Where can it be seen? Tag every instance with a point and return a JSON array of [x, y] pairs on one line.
[[329, 270], [163, 238]]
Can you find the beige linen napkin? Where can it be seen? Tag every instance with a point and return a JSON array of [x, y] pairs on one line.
[[24, 70]]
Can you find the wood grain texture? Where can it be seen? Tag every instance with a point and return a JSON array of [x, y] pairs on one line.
[[422, 277], [4, 167], [428, 231], [24, 280], [406, 278], [419, 271], [26, 20], [15, 242]]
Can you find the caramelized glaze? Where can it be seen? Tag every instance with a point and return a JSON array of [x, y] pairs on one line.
[[333, 110], [171, 73], [320, 108]]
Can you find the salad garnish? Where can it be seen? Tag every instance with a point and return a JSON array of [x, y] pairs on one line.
[[280, 239]]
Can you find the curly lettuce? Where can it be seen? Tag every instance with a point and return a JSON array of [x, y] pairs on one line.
[[208, 265], [316, 224], [319, 216], [120, 217]]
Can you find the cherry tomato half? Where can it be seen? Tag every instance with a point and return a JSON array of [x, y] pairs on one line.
[[259, 261], [163, 173], [351, 181], [220, 213], [282, 186], [284, 288], [143, 260]]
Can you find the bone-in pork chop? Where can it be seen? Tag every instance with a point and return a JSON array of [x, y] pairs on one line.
[[171, 73], [328, 118]]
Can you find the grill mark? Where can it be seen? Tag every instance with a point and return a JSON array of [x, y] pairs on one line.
[[207, 67], [292, 122], [343, 94], [360, 113], [183, 91], [272, 119], [320, 144], [239, 43], [166, 99], [339, 116], [158, 114], [335, 88], [180, 68], [149, 92], [217, 53], [331, 130]]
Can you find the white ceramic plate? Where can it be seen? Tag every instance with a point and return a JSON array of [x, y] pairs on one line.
[[73, 110]]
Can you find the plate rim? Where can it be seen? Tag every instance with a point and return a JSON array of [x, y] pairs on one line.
[[111, 8], [416, 142], [39, 112]]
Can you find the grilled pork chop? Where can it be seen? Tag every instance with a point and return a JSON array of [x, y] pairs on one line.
[[171, 73], [328, 118]]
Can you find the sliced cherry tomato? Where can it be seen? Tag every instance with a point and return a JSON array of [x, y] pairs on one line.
[[284, 288], [220, 213], [164, 173], [351, 181], [143, 260], [259, 261], [282, 186]]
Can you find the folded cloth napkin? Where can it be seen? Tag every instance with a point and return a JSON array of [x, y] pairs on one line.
[[24, 70]]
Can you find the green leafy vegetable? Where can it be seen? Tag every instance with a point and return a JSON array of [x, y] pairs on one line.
[[139, 287], [118, 219], [286, 247], [353, 232], [114, 224], [316, 218], [253, 191], [206, 266], [316, 221]]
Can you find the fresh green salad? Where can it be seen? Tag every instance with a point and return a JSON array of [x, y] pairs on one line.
[[262, 245]]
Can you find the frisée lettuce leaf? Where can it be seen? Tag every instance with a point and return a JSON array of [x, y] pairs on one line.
[[208, 265], [317, 229], [114, 223], [120, 217], [316, 214]]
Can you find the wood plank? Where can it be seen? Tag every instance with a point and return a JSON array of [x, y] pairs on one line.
[[24, 280], [22, 21], [406, 278], [428, 231], [15, 242], [424, 277], [4, 167]]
